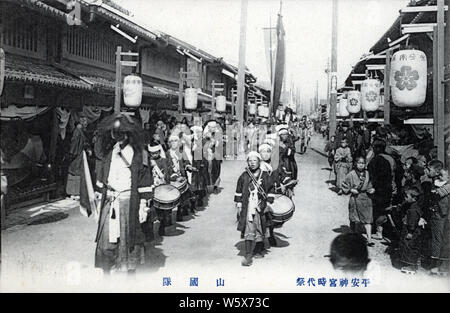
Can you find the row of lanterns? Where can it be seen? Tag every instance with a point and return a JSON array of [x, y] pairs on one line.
[[408, 83]]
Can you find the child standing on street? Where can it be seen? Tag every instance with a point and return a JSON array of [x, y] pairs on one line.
[[358, 184], [343, 159], [412, 233]]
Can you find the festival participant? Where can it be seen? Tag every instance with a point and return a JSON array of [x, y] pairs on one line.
[[211, 147], [119, 235], [161, 173], [179, 167], [265, 150], [410, 242], [358, 184], [78, 143], [200, 175], [343, 160], [287, 152], [253, 191]]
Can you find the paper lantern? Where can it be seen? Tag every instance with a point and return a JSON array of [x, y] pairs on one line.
[[190, 98], [263, 111], [343, 112], [370, 94], [353, 101], [408, 78], [132, 91], [252, 108], [221, 103]]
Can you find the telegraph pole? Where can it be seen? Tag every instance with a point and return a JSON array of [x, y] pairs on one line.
[[241, 69], [333, 82]]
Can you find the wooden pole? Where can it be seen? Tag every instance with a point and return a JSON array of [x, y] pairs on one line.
[[440, 77], [241, 69], [447, 89], [118, 85], [333, 93], [213, 100], [435, 91], [180, 91], [387, 89]]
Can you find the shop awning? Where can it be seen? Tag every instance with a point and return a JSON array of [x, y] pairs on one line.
[[34, 71]]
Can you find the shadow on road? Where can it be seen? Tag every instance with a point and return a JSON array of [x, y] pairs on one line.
[[343, 229], [319, 152], [154, 259]]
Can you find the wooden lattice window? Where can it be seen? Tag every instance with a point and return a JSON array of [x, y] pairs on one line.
[[23, 34], [90, 45]]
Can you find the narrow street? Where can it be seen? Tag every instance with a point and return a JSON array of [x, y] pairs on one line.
[[208, 246]]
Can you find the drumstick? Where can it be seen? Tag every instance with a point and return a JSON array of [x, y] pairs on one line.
[[288, 184]]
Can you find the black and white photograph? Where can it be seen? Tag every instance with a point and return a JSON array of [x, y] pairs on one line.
[[225, 147]]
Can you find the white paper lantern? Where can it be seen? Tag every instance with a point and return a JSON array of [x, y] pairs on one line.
[[408, 78], [190, 98], [221, 103], [252, 108], [353, 101], [370, 94], [343, 112], [263, 111], [132, 91]]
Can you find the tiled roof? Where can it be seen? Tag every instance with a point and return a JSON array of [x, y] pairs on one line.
[[34, 71]]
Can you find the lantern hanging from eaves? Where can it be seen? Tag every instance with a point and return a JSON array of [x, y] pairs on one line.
[[132, 91], [353, 101], [263, 110], [408, 78], [252, 108], [190, 98], [221, 103], [370, 94], [343, 112]]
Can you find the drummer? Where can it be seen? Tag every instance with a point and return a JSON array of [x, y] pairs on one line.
[[287, 163], [251, 197], [179, 165], [160, 172]]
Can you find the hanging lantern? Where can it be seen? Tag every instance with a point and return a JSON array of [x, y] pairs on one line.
[[263, 111], [221, 103], [252, 108], [370, 94], [190, 98], [408, 78], [343, 112], [354, 101], [132, 91]]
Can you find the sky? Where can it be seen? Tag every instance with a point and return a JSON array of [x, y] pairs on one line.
[[214, 26]]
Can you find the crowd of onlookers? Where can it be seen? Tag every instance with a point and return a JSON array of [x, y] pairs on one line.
[[397, 197]]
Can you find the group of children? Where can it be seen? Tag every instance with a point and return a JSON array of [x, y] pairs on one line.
[[416, 208]]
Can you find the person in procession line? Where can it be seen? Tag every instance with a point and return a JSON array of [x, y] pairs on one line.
[[253, 191]]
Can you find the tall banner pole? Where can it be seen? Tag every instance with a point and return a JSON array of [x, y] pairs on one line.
[[241, 69], [333, 82]]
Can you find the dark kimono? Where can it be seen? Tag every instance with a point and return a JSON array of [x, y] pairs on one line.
[[123, 253], [200, 177], [381, 176], [410, 248], [78, 143], [243, 189], [287, 159]]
